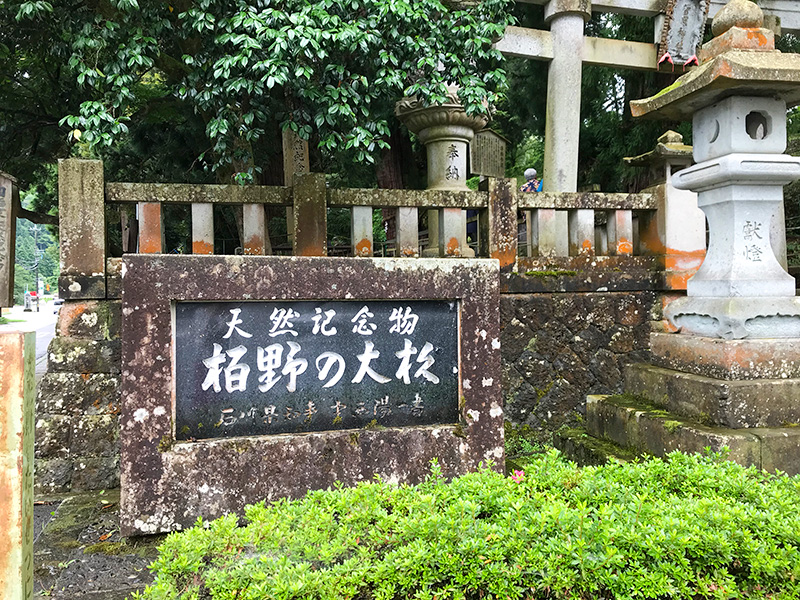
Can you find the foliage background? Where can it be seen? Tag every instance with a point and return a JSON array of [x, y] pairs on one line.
[[198, 91]]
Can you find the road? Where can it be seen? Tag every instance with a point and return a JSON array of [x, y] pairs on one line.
[[42, 322]]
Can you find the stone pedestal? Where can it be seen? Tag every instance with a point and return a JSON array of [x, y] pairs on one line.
[[741, 290], [446, 130]]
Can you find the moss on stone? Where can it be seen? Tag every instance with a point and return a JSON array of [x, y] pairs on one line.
[[166, 443], [600, 447], [554, 273], [145, 547], [108, 548], [669, 88], [521, 442], [671, 425], [542, 392], [635, 401]]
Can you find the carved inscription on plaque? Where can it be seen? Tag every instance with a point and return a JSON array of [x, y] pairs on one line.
[[254, 368], [488, 154]]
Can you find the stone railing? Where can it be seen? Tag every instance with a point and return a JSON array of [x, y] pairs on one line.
[[524, 231], [546, 291]]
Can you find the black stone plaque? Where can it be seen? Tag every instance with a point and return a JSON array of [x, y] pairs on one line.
[[255, 368]]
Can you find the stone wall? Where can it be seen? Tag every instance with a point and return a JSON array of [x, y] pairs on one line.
[[77, 401], [559, 347]]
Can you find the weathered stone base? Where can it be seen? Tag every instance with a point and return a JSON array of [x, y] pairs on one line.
[[642, 427], [734, 404], [737, 318], [77, 432], [77, 403], [727, 359], [273, 467], [577, 445]]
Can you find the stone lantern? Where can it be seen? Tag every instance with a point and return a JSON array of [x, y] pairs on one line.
[[737, 100], [446, 130]]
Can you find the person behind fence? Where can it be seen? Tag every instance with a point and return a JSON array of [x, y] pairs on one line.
[[531, 184]]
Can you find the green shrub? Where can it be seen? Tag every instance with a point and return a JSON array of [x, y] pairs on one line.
[[687, 527]]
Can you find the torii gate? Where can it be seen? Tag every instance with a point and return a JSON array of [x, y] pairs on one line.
[[567, 49]]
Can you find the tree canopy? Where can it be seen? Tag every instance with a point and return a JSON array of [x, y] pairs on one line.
[[198, 91], [330, 70]]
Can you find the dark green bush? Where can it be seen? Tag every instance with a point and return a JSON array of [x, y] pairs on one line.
[[687, 527]]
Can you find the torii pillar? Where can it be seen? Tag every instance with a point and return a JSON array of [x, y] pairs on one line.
[[562, 129], [563, 122]]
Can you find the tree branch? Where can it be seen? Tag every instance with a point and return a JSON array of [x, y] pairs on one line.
[[33, 217]]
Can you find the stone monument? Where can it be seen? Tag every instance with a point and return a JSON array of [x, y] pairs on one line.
[[446, 130], [730, 377], [247, 378]]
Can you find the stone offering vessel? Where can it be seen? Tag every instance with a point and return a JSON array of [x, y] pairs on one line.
[[446, 130], [737, 100]]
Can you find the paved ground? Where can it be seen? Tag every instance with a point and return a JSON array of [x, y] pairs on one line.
[[42, 322], [78, 552]]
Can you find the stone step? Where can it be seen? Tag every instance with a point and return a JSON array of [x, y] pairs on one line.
[[719, 402], [577, 445], [632, 422]]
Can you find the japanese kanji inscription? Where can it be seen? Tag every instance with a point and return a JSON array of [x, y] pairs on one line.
[[255, 368]]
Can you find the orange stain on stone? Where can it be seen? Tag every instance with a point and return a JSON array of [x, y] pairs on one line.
[[68, 314], [724, 69], [453, 248], [758, 36], [364, 248], [150, 233], [624, 246], [677, 281], [649, 240], [678, 260], [506, 257], [254, 246], [11, 482], [202, 247]]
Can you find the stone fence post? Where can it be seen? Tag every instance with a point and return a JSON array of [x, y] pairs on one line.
[[82, 229], [77, 422], [498, 224], [310, 215], [17, 364]]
